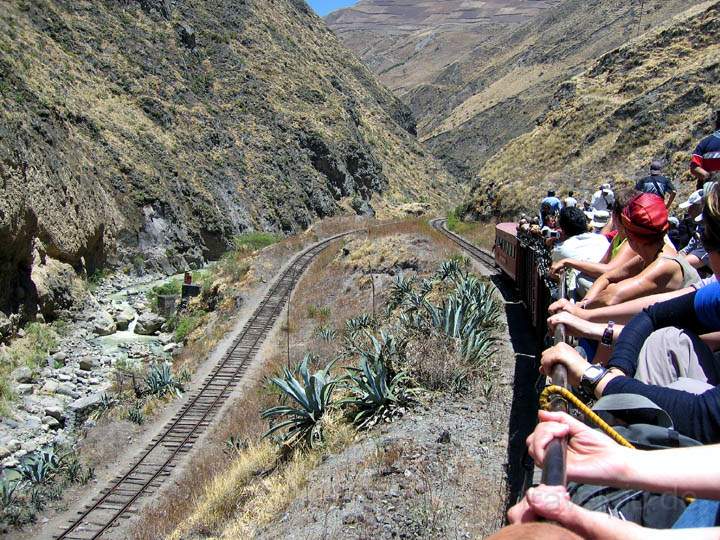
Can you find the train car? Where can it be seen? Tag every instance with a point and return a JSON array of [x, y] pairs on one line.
[[521, 264], [505, 249]]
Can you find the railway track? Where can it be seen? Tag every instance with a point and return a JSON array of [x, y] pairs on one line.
[[123, 496], [484, 257]]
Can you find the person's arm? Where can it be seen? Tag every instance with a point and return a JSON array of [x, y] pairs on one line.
[[712, 340], [597, 269], [552, 503], [594, 458], [671, 198], [577, 327], [617, 274], [620, 313], [655, 278], [694, 261], [697, 163]]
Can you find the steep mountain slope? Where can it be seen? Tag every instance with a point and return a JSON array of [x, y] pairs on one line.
[[498, 90], [407, 43], [154, 131], [649, 99]]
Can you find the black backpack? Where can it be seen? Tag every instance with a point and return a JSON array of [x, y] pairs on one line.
[[648, 427]]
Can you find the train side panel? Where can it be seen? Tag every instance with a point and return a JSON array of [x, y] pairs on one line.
[[506, 249]]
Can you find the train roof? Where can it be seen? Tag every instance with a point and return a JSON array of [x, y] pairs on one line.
[[510, 228]]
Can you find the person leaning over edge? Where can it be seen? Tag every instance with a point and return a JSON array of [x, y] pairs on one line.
[[657, 268], [658, 184], [706, 157]]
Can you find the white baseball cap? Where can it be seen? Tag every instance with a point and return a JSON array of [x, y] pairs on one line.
[[695, 198]]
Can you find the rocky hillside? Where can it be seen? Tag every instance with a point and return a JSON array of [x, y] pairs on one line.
[[474, 87], [651, 98], [150, 132], [408, 43], [498, 91]]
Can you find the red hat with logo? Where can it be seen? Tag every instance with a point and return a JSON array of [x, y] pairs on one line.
[[646, 217]]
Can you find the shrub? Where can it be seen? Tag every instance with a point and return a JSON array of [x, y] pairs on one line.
[[186, 324], [312, 395], [160, 381], [254, 241], [320, 313], [136, 414], [377, 396], [326, 333], [39, 467]]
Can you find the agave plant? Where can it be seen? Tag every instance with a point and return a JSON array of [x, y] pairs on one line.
[[377, 396], [326, 333], [8, 489], [356, 325], [450, 269], [40, 466], [136, 414], [310, 399], [160, 381]]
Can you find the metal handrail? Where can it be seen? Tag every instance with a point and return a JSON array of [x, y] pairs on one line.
[[554, 467]]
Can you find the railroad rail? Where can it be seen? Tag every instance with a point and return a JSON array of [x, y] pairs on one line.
[[121, 499], [484, 257]]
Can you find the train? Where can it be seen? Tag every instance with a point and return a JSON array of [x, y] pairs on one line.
[[523, 260]]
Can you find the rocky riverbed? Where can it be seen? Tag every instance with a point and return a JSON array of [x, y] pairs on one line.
[[115, 331]]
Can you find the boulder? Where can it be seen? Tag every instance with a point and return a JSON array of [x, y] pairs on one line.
[[55, 412], [87, 363], [104, 324], [59, 357], [50, 387], [22, 374], [5, 326], [67, 389], [85, 405], [56, 285], [24, 389], [124, 318], [148, 323], [52, 422]]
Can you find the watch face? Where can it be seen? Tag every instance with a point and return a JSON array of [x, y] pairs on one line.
[[592, 372]]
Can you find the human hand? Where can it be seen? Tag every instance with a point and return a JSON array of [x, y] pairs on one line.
[[575, 326], [591, 457], [564, 354], [563, 305], [557, 267], [539, 501]]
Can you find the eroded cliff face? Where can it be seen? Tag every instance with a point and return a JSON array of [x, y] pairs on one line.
[[148, 133], [650, 99]]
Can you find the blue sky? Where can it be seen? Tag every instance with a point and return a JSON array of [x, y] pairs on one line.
[[323, 7]]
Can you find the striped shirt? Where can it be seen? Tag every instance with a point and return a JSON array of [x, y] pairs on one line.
[[707, 153]]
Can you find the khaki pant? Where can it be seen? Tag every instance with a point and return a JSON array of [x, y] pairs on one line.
[[669, 358]]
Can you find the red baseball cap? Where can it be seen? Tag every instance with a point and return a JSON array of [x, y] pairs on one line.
[[646, 217]]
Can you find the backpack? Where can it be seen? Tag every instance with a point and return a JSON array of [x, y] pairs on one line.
[[648, 427]]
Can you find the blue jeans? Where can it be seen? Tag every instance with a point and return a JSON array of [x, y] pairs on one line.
[[700, 513]]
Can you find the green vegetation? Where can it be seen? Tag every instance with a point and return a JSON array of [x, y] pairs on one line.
[[312, 396], [41, 477], [255, 241], [187, 323], [320, 313], [160, 381], [453, 312], [172, 287], [30, 351]]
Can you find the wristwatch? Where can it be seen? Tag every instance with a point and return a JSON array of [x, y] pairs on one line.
[[608, 334], [591, 377]]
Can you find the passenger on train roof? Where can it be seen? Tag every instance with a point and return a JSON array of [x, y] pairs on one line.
[[618, 253], [576, 241], [659, 355], [706, 157], [656, 268]]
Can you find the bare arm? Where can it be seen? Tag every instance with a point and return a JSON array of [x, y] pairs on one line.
[[597, 269], [671, 198], [712, 340], [616, 275], [620, 313], [658, 277]]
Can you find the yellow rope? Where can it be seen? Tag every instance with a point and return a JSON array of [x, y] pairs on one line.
[[587, 411]]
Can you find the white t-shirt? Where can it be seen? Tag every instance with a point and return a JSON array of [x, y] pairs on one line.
[[589, 247], [602, 202], [570, 202]]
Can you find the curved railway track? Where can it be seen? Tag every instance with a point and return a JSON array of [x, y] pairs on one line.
[[484, 257], [145, 476]]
